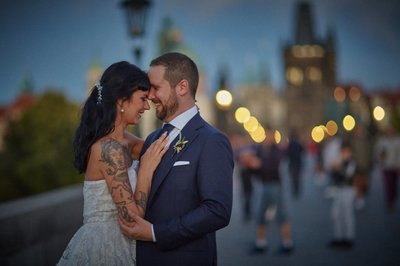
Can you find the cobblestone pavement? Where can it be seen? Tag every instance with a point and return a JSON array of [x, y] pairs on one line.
[[377, 230]]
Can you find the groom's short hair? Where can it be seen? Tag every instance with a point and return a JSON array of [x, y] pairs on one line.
[[178, 67]]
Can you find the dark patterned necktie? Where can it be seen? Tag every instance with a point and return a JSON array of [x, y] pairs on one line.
[[166, 128]]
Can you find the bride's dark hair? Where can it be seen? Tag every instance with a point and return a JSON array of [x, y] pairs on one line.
[[118, 81]]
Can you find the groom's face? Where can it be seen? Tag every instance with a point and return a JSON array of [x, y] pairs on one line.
[[162, 95]]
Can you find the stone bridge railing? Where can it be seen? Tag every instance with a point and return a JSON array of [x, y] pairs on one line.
[[36, 230]]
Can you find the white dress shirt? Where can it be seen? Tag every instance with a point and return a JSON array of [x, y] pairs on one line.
[[180, 122]]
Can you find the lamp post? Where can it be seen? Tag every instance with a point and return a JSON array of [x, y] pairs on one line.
[[223, 100], [136, 14]]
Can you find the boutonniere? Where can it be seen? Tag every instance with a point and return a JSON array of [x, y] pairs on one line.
[[180, 144]]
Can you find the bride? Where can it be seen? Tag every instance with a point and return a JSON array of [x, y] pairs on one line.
[[108, 156]]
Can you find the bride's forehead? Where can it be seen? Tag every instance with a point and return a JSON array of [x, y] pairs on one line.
[[140, 93]]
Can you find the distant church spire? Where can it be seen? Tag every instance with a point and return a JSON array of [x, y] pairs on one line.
[[304, 23], [27, 84], [331, 39], [170, 38], [265, 74], [223, 77]]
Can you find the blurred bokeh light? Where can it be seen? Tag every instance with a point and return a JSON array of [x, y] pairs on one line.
[[317, 134], [349, 123], [242, 115], [379, 113], [224, 99]]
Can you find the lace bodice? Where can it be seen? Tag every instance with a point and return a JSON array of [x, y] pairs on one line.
[[98, 204], [100, 241]]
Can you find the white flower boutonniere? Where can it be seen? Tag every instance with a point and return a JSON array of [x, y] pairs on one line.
[[180, 144]]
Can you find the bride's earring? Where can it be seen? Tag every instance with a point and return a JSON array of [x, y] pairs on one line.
[[122, 110]]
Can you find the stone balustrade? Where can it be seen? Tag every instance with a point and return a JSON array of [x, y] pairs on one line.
[[35, 230]]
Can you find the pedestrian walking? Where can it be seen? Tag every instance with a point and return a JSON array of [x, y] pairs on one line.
[[248, 162], [342, 211], [272, 199], [388, 150], [294, 155]]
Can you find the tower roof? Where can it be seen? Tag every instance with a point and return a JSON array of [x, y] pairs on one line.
[[27, 84], [171, 40], [304, 24]]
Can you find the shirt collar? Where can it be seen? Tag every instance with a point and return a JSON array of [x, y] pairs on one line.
[[181, 120]]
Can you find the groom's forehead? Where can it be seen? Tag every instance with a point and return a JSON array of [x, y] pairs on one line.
[[156, 76], [156, 71]]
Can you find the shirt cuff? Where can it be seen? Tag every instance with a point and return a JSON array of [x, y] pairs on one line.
[[152, 233]]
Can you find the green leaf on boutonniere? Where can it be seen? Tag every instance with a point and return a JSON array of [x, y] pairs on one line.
[[180, 144]]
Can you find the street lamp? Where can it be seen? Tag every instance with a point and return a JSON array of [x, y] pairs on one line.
[[223, 101], [136, 13]]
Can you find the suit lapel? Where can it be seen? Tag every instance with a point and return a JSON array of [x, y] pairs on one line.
[[150, 139], [190, 133]]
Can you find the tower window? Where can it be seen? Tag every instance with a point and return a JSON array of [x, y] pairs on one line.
[[307, 51], [294, 75], [314, 73]]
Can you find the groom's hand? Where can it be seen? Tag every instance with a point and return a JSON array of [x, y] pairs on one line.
[[140, 230]]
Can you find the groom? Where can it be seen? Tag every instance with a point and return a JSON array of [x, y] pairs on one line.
[[191, 193]]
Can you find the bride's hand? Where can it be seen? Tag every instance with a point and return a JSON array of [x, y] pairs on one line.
[[152, 157]]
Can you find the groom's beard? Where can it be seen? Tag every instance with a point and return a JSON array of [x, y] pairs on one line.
[[169, 108]]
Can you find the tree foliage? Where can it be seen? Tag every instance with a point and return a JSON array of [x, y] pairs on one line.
[[38, 150], [396, 119]]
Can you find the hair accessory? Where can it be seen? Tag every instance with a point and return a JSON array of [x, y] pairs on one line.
[[99, 92]]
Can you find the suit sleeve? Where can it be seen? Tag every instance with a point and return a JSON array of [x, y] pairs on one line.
[[214, 181]]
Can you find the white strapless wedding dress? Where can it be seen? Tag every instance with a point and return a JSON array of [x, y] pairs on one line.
[[99, 241]]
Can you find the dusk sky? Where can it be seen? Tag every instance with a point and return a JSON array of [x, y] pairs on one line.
[[56, 41]]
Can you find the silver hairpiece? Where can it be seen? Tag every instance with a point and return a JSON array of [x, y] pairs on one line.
[[99, 92]]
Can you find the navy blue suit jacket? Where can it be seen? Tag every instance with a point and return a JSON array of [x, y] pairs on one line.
[[188, 203]]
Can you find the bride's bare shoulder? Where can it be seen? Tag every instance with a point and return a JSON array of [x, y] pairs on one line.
[[135, 144]]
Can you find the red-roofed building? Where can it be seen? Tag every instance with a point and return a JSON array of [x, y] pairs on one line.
[[14, 110]]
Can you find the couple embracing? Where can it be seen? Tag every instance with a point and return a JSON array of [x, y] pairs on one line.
[[158, 201]]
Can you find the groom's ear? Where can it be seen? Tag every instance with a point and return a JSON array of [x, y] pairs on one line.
[[182, 87]]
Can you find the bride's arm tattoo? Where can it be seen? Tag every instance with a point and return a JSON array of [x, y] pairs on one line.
[[142, 201], [124, 213], [116, 157]]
